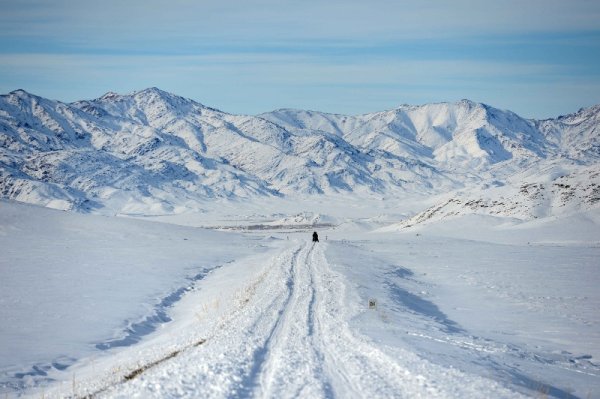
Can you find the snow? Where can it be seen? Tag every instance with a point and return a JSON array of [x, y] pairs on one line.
[[493, 303], [72, 282], [120, 307], [156, 247]]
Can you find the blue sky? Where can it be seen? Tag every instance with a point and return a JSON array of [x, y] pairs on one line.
[[539, 58]]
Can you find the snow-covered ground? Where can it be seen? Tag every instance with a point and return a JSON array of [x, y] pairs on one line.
[[74, 286], [466, 306]]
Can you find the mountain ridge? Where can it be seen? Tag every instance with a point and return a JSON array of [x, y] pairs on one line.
[[156, 150]]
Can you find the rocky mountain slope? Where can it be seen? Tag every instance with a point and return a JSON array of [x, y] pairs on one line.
[[155, 152]]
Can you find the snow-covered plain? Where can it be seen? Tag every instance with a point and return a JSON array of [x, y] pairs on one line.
[[73, 285], [468, 306]]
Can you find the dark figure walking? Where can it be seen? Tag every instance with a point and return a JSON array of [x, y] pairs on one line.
[[315, 237]]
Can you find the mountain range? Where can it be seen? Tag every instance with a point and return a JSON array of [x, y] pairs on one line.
[[155, 152]]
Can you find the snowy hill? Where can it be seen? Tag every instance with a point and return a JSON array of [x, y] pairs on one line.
[[553, 191], [153, 152]]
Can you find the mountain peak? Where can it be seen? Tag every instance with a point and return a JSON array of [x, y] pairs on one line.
[[154, 91], [110, 95], [151, 92], [169, 99], [594, 109], [470, 104], [463, 103], [22, 94]]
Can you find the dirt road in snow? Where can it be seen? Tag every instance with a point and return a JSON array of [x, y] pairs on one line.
[[289, 337]]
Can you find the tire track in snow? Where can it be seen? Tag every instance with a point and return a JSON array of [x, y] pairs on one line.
[[292, 368], [291, 338], [358, 367], [260, 355], [354, 365], [312, 351], [227, 364]]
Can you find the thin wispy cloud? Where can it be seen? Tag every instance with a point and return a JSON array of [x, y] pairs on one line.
[[252, 56]]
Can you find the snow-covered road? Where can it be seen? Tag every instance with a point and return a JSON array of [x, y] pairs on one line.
[[310, 350], [288, 335]]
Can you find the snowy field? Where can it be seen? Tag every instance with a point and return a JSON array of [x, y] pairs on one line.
[[475, 306]]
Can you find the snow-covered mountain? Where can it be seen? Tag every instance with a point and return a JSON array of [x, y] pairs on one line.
[[466, 135], [155, 152], [577, 135]]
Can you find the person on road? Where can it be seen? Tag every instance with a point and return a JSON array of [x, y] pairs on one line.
[[315, 237]]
